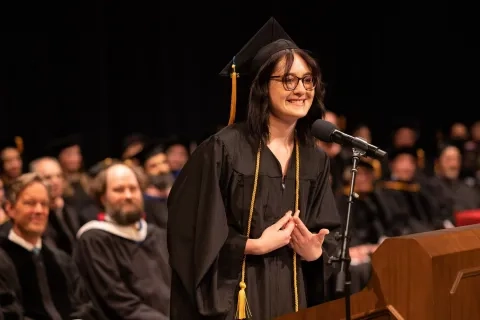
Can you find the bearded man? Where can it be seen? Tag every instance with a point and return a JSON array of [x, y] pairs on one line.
[[123, 260]]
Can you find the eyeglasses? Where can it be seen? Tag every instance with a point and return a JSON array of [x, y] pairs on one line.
[[290, 81]]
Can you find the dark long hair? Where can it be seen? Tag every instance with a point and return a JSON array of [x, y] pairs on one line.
[[259, 102]]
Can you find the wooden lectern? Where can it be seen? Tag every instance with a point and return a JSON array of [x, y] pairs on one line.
[[428, 276]]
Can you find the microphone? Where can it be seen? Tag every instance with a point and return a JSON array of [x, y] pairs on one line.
[[327, 132]]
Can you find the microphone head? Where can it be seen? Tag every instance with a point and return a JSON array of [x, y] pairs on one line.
[[323, 130]]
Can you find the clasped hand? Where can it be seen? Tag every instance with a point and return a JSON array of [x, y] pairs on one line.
[[292, 231]]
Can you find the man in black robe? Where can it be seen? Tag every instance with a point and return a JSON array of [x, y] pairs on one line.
[[123, 259], [413, 207], [10, 292], [155, 197], [51, 287], [449, 188], [68, 151], [218, 217], [368, 221], [64, 221]]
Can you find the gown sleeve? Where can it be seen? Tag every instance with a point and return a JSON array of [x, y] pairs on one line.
[[199, 234], [322, 213], [95, 259], [10, 293]]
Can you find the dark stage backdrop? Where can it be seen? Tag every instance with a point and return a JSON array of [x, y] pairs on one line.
[[108, 68]]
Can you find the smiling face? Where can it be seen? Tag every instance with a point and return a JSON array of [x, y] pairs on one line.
[[30, 210], [291, 95]]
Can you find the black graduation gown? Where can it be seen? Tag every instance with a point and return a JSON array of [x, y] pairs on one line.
[[10, 293], [62, 278], [62, 229], [412, 209], [368, 218], [156, 211], [127, 280], [456, 194], [208, 213], [80, 198]]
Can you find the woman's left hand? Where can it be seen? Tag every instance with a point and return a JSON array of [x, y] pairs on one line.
[[306, 244]]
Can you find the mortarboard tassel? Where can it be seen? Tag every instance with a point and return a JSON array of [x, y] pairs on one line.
[[19, 143], [243, 310], [233, 103]]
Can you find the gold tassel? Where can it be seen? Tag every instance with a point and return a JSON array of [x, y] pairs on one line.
[[243, 310], [19, 143], [233, 102]]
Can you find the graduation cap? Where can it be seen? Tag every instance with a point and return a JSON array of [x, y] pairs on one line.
[[151, 148], [372, 164], [365, 163], [412, 151], [58, 145], [133, 138], [269, 40], [94, 170], [408, 123], [458, 144], [15, 142]]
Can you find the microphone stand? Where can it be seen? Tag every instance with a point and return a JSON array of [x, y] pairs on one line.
[[344, 281]]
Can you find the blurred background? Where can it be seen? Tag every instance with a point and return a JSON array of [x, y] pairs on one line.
[[109, 68]]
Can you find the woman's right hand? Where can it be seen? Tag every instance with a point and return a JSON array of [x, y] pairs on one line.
[[277, 235]]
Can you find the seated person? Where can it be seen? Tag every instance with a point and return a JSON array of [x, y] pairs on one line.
[[10, 307], [123, 259], [49, 282]]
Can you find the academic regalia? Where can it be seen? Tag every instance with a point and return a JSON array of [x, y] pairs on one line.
[[50, 284], [414, 207], [368, 218], [55, 147], [455, 194], [80, 199], [208, 212], [126, 271], [424, 164], [369, 222], [337, 166], [156, 211], [98, 167], [210, 208], [5, 228], [10, 292], [133, 139], [62, 228], [152, 148], [78, 181]]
